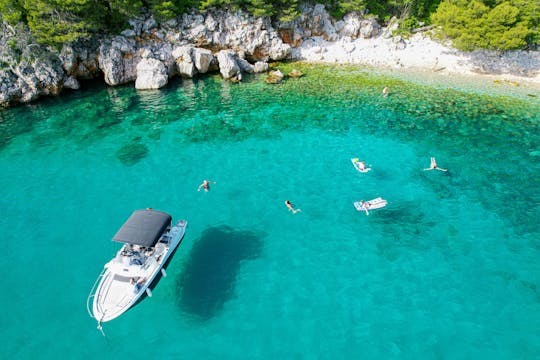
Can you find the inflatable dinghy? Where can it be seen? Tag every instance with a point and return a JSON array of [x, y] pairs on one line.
[[370, 205], [356, 164]]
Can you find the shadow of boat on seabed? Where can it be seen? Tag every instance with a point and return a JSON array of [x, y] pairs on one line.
[[210, 273]]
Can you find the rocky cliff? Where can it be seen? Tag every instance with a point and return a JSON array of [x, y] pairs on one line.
[[149, 53]]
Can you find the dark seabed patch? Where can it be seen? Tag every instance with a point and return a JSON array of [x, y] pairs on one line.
[[132, 153], [209, 277]]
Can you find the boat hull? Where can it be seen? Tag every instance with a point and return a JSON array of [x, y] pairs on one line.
[[116, 292]]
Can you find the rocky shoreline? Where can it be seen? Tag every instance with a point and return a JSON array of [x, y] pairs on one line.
[[233, 43]]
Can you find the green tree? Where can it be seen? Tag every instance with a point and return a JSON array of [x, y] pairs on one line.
[[54, 22], [164, 10], [119, 11], [288, 10], [12, 11], [529, 14], [340, 8], [473, 25], [261, 8]]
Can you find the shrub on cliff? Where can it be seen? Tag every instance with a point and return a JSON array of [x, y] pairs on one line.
[[54, 22], [506, 25]]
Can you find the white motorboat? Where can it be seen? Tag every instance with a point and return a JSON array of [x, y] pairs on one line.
[[150, 241]]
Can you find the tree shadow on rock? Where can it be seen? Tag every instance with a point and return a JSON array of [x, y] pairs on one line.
[[210, 273]]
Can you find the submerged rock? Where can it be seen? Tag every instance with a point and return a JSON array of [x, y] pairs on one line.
[[295, 73], [274, 77], [132, 153]]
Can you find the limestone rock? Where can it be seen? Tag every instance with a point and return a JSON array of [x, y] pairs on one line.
[[350, 26], [151, 74], [321, 23], [294, 73], [203, 59], [228, 66], [71, 83], [260, 67], [27, 70], [393, 25], [399, 43], [128, 33], [80, 59], [274, 77], [369, 28], [239, 31], [184, 61], [149, 24], [118, 60], [245, 66]]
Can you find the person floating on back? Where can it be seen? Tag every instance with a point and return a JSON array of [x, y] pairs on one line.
[[434, 166], [362, 165], [291, 207], [205, 185], [365, 206]]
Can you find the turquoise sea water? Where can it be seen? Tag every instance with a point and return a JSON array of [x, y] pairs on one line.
[[448, 270]]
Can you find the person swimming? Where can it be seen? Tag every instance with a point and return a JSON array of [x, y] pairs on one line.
[[291, 207], [433, 165], [385, 91], [205, 185]]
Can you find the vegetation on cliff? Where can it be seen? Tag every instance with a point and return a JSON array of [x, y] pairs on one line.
[[470, 24], [490, 24]]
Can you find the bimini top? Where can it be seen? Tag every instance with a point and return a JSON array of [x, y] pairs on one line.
[[144, 227]]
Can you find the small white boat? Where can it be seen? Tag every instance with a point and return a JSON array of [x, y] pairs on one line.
[[149, 244], [360, 165], [370, 205]]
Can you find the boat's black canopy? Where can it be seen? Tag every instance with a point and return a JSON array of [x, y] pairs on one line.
[[144, 227]]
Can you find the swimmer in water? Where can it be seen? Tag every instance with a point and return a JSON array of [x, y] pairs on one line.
[[291, 207], [434, 166], [205, 185]]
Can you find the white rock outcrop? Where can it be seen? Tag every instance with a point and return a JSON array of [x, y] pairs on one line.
[[118, 60], [203, 59], [238, 31], [260, 67], [228, 66], [184, 61], [151, 74]]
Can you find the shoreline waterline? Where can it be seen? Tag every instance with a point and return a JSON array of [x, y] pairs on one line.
[[478, 83]]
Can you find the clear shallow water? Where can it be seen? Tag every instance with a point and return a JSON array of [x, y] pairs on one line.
[[449, 269]]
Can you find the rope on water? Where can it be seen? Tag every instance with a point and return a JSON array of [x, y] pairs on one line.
[[99, 327]]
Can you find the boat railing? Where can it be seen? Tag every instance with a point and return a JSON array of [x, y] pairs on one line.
[[93, 293]]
